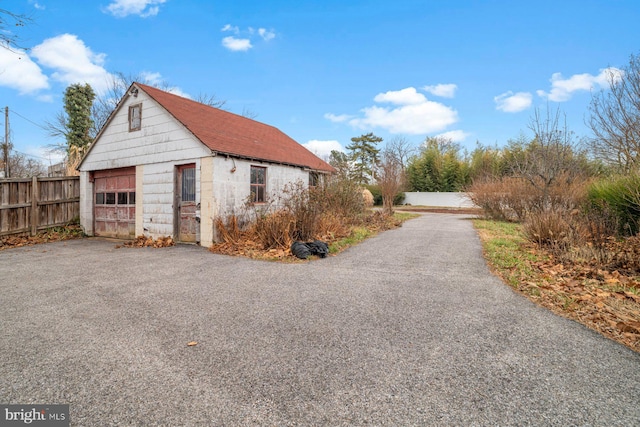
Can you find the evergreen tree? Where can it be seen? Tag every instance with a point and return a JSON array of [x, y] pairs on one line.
[[438, 168], [340, 161], [78, 100], [363, 155]]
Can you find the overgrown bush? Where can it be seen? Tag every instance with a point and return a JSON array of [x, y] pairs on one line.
[[377, 194], [621, 196], [299, 213], [514, 199], [341, 197], [275, 230], [503, 199], [398, 199], [368, 198], [553, 229]]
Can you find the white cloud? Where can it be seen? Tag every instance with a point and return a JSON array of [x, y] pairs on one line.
[[337, 118], [443, 90], [142, 8], [407, 96], [562, 89], [45, 155], [156, 79], [414, 115], [242, 42], [265, 34], [177, 91], [323, 149], [454, 135], [236, 45], [231, 28], [72, 61], [36, 5], [19, 72], [510, 102], [151, 78]]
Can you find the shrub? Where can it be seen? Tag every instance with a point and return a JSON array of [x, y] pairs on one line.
[[552, 229], [228, 229], [621, 196], [502, 199], [342, 197], [299, 213], [514, 199], [368, 198], [274, 229], [377, 194], [398, 199]]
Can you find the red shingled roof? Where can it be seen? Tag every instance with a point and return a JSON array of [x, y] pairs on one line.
[[228, 133]]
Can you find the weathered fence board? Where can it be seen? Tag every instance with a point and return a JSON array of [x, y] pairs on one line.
[[31, 204]]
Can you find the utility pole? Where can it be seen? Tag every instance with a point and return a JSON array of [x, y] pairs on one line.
[[6, 142]]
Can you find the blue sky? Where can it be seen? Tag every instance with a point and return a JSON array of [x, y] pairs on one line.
[[326, 71]]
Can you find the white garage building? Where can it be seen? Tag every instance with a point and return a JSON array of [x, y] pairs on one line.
[[164, 165]]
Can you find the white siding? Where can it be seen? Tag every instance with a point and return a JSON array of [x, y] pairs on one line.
[[156, 150], [161, 139], [158, 187], [232, 189]]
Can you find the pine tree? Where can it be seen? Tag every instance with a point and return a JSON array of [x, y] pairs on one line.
[[364, 155]]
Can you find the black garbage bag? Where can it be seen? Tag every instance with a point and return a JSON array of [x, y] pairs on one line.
[[304, 250], [318, 248], [300, 250]]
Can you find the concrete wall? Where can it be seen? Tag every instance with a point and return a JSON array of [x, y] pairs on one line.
[[442, 199]]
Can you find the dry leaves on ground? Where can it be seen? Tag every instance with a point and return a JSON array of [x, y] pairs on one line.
[[54, 234], [607, 301], [148, 242]]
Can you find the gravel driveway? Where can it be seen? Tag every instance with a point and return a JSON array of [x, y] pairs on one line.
[[407, 328]]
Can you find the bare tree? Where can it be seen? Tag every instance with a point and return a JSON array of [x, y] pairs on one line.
[[401, 149], [210, 100], [550, 156], [390, 176], [23, 166], [249, 113], [615, 118], [9, 20]]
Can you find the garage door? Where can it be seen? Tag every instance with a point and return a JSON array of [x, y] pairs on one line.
[[115, 203]]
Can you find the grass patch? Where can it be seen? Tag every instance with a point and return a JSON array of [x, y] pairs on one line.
[[504, 248], [404, 216], [602, 299], [358, 234]]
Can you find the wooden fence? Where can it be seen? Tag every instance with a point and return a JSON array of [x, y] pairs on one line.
[[31, 204]]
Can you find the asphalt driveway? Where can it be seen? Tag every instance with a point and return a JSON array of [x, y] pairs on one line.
[[407, 328]]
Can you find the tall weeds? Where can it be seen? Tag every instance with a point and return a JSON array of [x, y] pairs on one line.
[[298, 213]]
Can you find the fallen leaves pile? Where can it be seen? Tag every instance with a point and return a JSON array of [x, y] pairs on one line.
[[149, 242], [249, 248], [54, 234], [247, 244], [607, 301]]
